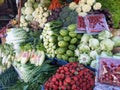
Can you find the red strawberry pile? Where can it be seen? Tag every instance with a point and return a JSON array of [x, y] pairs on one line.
[[73, 76]]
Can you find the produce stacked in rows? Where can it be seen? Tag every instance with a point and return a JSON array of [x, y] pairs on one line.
[[73, 76], [6, 57], [40, 15], [27, 11], [49, 36], [34, 13], [91, 47], [67, 43]]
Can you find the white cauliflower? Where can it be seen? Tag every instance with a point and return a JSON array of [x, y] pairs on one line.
[[90, 2], [82, 14], [22, 19], [78, 9], [86, 8], [81, 4], [29, 10], [45, 14], [73, 5], [97, 6], [44, 19], [82, 1]]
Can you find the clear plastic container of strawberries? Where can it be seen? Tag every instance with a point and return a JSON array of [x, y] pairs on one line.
[[109, 71]]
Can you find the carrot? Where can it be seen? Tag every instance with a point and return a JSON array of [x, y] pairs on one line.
[[54, 4]]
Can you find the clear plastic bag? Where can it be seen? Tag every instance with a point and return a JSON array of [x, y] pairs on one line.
[[81, 27], [108, 72], [96, 23]]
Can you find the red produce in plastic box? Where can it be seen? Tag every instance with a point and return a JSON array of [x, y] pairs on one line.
[[96, 23], [109, 71], [81, 27]]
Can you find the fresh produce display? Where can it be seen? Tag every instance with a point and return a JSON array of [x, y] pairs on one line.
[[73, 76], [67, 34], [108, 71], [67, 16], [67, 43], [40, 15], [34, 13], [91, 46], [6, 57], [27, 11], [49, 36]]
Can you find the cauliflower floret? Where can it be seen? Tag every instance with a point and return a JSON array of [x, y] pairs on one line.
[[45, 14], [97, 6], [29, 17], [82, 14], [22, 19], [90, 2], [86, 8], [28, 10], [73, 5], [44, 19], [78, 9]]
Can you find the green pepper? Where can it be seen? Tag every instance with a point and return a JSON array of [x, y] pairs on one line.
[[67, 38], [60, 38], [72, 27], [61, 50], [73, 40], [63, 32], [65, 57], [72, 34], [62, 44], [72, 47], [70, 53], [72, 59]]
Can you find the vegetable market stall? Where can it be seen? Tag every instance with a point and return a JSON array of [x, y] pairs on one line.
[[59, 46]]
